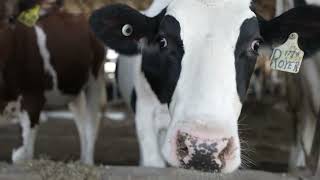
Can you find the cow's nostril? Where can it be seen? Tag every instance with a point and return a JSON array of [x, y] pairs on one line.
[[182, 148]]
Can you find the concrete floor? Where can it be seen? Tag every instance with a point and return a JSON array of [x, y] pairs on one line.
[[126, 173]]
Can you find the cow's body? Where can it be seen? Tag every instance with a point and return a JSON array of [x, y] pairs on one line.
[[304, 101], [57, 62]]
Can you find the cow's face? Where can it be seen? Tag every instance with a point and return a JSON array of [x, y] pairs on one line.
[[198, 57], [199, 60], [206, 66]]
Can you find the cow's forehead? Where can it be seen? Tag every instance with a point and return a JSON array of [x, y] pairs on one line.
[[228, 6], [209, 35], [202, 24], [208, 17]]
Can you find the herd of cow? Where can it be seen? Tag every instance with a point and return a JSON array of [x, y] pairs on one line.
[[190, 63]]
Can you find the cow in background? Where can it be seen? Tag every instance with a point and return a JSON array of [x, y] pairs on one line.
[[197, 59], [304, 102], [266, 81], [56, 62]]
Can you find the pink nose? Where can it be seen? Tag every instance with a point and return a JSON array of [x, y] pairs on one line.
[[203, 154]]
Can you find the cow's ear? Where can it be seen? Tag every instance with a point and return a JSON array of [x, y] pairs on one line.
[[121, 27], [304, 20], [253, 8]]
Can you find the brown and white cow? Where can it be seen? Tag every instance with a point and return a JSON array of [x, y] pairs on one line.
[[56, 62]]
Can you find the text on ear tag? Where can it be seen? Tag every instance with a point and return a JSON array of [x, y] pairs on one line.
[[288, 57], [30, 17]]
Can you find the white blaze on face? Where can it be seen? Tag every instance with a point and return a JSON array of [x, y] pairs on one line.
[[156, 7], [206, 101]]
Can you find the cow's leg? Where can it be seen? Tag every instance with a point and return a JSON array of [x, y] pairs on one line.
[[29, 121], [147, 132], [87, 111], [315, 150], [25, 152], [297, 156], [96, 102], [79, 109]]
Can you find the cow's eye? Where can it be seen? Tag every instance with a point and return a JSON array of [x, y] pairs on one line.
[[127, 30], [163, 42], [255, 46]]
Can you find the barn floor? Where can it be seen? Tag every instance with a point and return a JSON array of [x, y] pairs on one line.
[[48, 170], [265, 127]]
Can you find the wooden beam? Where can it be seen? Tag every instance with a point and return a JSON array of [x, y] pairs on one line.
[[313, 160], [317, 135]]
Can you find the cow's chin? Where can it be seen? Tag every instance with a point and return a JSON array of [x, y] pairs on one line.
[[226, 158], [232, 164]]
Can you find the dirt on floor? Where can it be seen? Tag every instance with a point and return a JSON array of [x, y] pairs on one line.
[[48, 170]]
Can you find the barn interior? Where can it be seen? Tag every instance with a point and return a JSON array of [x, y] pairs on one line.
[[268, 126]]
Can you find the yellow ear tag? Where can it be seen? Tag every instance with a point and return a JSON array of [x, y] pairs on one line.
[[30, 17], [288, 57]]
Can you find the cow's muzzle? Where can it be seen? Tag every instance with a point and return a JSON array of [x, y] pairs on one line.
[[204, 154]]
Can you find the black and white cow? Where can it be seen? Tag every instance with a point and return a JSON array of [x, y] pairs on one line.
[[197, 59]]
